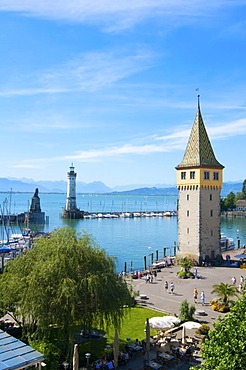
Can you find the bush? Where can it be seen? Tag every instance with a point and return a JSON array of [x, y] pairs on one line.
[[185, 274], [219, 307], [187, 311], [203, 330]]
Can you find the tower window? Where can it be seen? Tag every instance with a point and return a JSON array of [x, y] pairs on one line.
[[211, 213], [183, 175], [216, 176], [192, 175], [188, 213], [188, 197], [206, 175], [188, 230], [211, 197]]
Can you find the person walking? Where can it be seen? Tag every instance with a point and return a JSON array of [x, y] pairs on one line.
[[172, 288], [166, 286], [195, 294], [240, 287], [233, 280], [203, 298]]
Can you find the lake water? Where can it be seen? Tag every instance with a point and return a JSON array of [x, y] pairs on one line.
[[128, 239]]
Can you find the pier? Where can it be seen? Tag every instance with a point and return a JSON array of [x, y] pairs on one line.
[[153, 261]]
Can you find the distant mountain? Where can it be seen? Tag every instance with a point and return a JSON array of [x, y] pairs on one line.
[[29, 185], [122, 188], [231, 186], [18, 186], [150, 191]]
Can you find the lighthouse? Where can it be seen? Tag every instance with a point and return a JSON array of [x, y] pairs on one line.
[[199, 182], [71, 210]]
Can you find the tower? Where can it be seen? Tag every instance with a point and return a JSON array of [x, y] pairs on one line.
[[71, 210], [71, 190], [199, 181]]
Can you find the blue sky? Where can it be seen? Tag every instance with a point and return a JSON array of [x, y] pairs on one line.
[[111, 86]]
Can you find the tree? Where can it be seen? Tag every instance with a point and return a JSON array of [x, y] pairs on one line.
[[244, 189], [225, 346], [224, 292], [230, 201], [64, 280], [187, 311]]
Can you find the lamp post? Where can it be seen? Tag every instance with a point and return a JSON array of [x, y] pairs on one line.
[[87, 356], [238, 239]]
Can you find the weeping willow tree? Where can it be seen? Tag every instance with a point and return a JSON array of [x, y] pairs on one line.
[[64, 281]]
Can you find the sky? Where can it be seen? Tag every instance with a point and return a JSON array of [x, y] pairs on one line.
[[111, 86]]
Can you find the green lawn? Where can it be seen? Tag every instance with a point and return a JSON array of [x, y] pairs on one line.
[[133, 327]]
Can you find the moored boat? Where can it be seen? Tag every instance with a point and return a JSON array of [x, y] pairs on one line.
[[226, 243]]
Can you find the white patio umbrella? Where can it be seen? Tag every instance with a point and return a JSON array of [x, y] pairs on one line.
[[76, 357], [163, 322], [189, 325]]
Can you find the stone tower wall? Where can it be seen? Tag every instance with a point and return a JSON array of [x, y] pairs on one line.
[[199, 222], [188, 222], [210, 222]]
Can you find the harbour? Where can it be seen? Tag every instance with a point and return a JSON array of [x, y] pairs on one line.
[[128, 239]]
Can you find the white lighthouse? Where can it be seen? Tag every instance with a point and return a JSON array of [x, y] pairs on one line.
[[71, 190], [71, 210]]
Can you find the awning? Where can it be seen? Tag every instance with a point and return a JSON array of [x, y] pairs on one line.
[[15, 355]]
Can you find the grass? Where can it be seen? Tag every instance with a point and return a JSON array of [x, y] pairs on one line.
[[133, 327]]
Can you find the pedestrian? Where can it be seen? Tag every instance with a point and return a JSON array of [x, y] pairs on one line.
[[234, 280], [155, 274], [203, 298], [172, 288], [147, 279], [195, 294], [151, 277], [240, 287], [166, 286], [241, 279]]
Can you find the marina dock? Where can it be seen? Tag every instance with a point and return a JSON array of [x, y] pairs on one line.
[[100, 215]]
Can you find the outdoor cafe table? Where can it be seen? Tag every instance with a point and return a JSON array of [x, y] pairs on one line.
[[166, 356], [152, 341], [135, 348], [154, 365]]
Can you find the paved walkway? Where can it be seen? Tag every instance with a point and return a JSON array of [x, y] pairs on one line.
[[159, 300], [170, 303]]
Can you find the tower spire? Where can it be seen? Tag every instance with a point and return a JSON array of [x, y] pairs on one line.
[[199, 151]]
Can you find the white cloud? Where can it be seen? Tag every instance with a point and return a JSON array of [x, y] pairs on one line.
[[116, 14], [87, 72], [228, 130], [174, 141]]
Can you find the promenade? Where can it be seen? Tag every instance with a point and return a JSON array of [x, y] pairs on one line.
[[160, 300], [169, 303]]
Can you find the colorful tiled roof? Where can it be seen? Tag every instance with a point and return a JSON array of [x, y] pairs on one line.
[[199, 151]]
